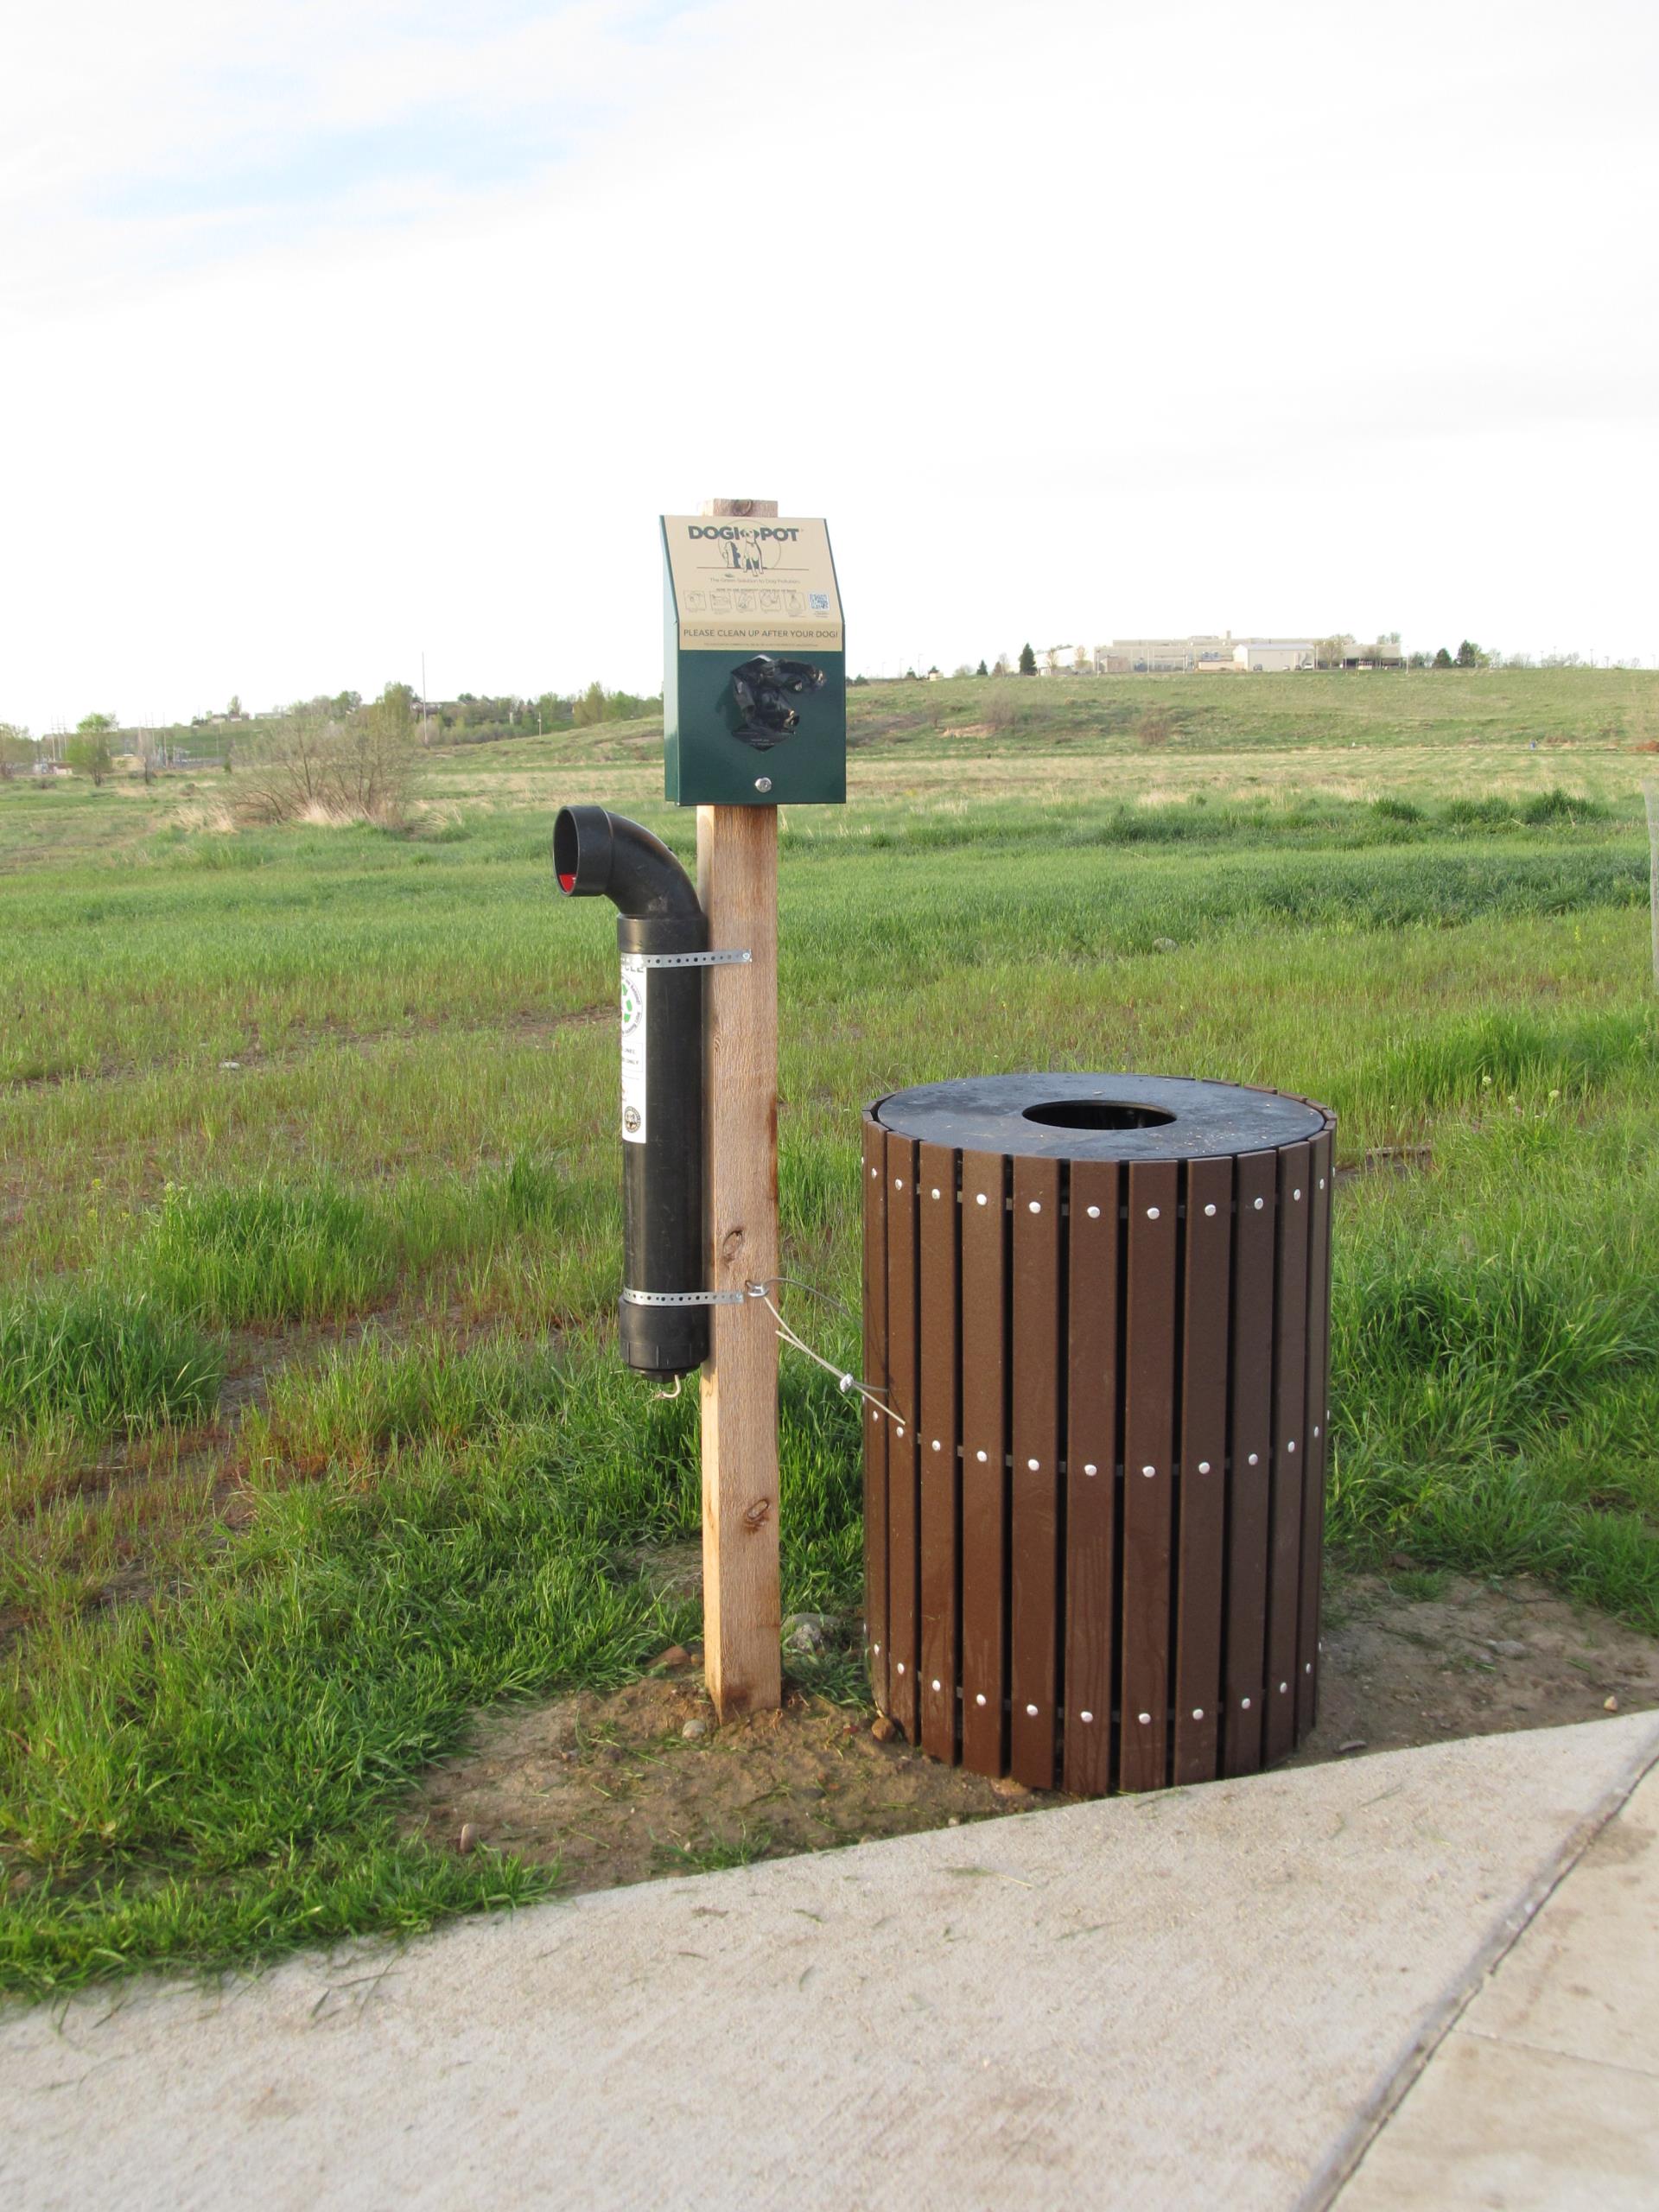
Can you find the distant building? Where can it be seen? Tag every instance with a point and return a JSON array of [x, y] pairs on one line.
[[1209, 654]]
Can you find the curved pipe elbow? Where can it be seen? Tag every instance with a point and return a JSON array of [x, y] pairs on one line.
[[597, 854]]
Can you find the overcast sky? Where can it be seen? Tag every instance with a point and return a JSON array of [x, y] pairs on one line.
[[339, 331]]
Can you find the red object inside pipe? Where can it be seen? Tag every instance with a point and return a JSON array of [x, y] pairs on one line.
[[567, 882]]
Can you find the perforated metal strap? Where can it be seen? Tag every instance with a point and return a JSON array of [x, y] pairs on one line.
[[687, 959], [685, 1297]]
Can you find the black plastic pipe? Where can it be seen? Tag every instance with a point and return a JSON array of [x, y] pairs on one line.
[[599, 855]]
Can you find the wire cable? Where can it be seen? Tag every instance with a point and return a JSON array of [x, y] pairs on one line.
[[847, 1381]]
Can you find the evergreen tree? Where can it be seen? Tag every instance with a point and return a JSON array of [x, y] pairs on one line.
[[1442, 659], [982, 670], [1027, 661]]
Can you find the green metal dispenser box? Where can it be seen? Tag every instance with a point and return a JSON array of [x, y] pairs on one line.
[[754, 679]]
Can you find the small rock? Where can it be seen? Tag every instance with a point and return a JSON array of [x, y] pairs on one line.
[[1165, 944], [1610, 1705], [1400, 1558], [882, 1729], [468, 1838], [955, 1821], [230, 1063], [1354, 1743], [1508, 1647], [676, 1655], [1005, 1786], [807, 1632], [693, 1729]]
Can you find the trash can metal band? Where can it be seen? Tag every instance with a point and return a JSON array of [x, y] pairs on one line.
[[1094, 1508]]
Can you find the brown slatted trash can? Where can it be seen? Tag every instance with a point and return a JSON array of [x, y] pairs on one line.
[[1097, 1310]]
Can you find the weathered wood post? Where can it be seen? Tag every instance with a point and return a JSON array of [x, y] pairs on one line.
[[737, 882]]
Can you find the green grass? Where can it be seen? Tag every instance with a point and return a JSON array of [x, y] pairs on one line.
[[310, 1437], [94, 1361], [265, 1253]]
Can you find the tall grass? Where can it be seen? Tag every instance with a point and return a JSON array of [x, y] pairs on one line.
[[267, 1252], [96, 1361]]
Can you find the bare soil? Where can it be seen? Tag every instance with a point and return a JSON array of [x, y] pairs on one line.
[[612, 1789]]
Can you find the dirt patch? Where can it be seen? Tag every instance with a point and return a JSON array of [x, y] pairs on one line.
[[613, 1790], [1432, 1657]]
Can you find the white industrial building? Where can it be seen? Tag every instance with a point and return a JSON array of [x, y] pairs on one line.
[[1202, 654]]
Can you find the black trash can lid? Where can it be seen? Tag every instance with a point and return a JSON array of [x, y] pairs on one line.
[[1099, 1116]]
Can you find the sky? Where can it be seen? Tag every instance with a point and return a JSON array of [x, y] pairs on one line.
[[336, 335]]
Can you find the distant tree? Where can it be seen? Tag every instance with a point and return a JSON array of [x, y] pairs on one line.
[[910, 676], [1418, 660], [982, 670], [1470, 655], [234, 710], [17, 751], [363, 767], [590, 708], [88, 754], [1443, 660], [346, 702], [1027, 661], [95, 725]]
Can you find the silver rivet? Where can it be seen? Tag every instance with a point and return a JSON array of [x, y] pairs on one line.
[[979, 1197], [901, 1666], [763, 783], [1321, 1182], [1035, 1205], [1283, 1686], [979, 1456], [936, 1444], [1204, 1466], [1316, 1428], [1259, 1204], [979, 1697], [1086, 1716], [1308, 1666], [1146, 1721], [901, 1428], [1031, 1710], [936, 1194], [1245, 1702], [1254, 1456], [1148, 1471], [1291, 1447], [1295, 1194], [873, 1173], [876, 1647], [1198, 1713], [935, 1683], [1210, 1210], [1094, 1213], [1032, 1464], [1151, 1213], [1090, 1468]]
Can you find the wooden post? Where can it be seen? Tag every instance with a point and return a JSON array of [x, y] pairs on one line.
[[737, 882]]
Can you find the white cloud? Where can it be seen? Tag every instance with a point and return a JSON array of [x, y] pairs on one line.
[[338, 333]]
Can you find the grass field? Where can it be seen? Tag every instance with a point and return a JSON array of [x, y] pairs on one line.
[[310, 1440]]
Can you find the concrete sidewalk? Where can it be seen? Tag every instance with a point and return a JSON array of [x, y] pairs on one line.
[[1204, 1997]]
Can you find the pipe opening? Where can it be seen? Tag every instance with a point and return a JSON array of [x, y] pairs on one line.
[[1097, 1114]]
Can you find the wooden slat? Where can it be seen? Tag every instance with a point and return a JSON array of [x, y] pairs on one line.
[[1256, 1185], [1202, 1517], [1289, 1446], [1148, 1477], [903, 1503], [935, 1169], [1318, 1339], [875, 1428], [1034, 1483], [984, 1447], [1092, 1409]]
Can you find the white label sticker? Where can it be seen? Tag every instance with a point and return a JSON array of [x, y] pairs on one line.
[[633, 1049]]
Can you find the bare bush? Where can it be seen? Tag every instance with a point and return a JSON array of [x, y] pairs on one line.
[[1156, 727], [322, 764]]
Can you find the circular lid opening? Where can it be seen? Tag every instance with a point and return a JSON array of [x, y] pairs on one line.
[[1096, 1114]]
